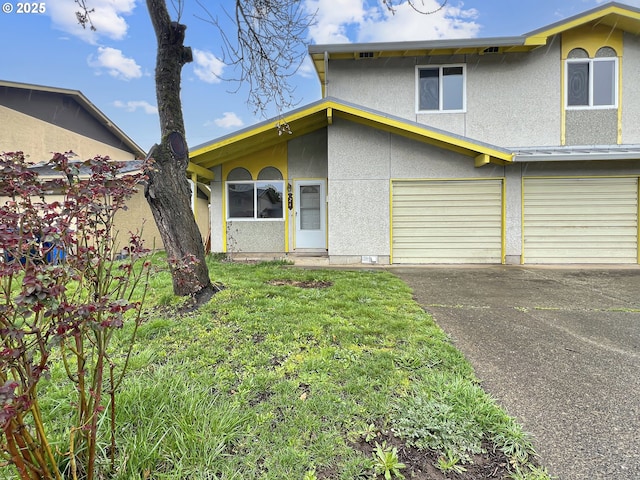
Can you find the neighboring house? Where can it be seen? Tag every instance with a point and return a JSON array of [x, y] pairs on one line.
[[520, 149], [39, 121]]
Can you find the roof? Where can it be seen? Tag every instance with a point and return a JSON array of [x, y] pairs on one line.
[[585, 152], [319, 115], [87, 105], [612, 14]]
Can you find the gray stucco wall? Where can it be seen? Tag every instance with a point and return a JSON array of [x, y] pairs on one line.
[[215, 211], [592, 127], [512, 99], [363, 162], [307, 155], [631, 90]]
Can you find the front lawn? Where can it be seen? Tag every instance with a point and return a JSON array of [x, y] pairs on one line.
[[303, 374]]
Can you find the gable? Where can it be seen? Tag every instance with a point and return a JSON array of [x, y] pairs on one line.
[[320, 115]]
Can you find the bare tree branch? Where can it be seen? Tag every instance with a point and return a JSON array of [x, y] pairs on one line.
[[391, 5], [266, 50]]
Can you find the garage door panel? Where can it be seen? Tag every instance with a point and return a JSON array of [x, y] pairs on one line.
[[447, 221], [581, 220]]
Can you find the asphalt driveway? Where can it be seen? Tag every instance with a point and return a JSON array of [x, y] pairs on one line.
[[558, 348]]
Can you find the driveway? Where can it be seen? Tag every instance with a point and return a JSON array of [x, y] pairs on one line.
[[558, 348]]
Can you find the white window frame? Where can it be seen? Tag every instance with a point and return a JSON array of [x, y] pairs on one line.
[[255, 217], [440, 89], [591, 61]]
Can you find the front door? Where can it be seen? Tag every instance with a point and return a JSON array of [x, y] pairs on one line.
[[311, 215]]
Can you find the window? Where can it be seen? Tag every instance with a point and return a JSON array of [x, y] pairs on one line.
[[255, 200], [441, 88], [592, 82]]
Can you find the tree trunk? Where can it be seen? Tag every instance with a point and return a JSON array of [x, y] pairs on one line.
[[168, 191]]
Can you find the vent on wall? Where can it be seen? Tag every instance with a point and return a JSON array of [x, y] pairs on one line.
[[491, 50], [365, 54]]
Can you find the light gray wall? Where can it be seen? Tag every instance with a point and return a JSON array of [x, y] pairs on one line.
[[363, 162], [512, 99], [215, 211], [255, 236], [592, 127], [631, 90], [307, 155]]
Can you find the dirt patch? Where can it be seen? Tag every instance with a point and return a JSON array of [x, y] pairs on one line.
[[302, 283], [421, 464]]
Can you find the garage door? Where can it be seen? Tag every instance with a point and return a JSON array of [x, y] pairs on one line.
[[438, 221], [580, 220]]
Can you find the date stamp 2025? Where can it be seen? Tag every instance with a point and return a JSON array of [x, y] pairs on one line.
[[24, 7]]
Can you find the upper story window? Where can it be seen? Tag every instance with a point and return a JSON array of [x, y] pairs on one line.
[[255, 200], [592, 82], [440, 88]]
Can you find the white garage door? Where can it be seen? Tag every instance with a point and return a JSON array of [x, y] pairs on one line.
[[439, 221], [580, 220]]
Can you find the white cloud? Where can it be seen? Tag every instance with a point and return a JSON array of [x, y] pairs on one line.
[[345, 21], [115, 63], [133, 105], [228, 120], [407, 24], [108, 17], [333, 18], [207, 66]]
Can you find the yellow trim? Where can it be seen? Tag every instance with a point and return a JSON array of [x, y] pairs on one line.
[[609, 18], [591, 38], [205, 173], [249, 142], [482, 159]]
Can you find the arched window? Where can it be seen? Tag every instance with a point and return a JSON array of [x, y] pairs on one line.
[[592, 82], [255, 200], [239, 173]]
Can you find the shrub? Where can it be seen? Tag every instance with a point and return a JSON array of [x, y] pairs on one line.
[[62, 298]]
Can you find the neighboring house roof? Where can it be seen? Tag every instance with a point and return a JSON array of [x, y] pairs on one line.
[[321, 114], [613, 14], [86, 105]]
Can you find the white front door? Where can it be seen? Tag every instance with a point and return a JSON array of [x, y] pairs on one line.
[[311, 214]]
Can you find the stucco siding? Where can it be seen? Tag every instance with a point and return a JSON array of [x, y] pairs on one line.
[[256, 236], [38, 139], [631, 90], [511, 99], [216, 213], [137, 217], [307, 156], [514, 99], [592, 127]]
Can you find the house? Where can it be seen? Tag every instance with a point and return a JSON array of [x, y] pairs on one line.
[[40, 120], [507, 150]]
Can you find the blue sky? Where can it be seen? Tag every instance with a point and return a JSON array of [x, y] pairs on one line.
[[114, 66]]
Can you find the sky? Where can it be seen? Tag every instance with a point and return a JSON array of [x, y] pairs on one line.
[[114, 66]]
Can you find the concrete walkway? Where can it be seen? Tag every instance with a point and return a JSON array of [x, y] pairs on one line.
[[558, 348]]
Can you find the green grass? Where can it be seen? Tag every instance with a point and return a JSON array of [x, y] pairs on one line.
[[274, 381]]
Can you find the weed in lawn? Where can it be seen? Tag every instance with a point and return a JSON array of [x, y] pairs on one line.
[[386, 462], [450, 462]]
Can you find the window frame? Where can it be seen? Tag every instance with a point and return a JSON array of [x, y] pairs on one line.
[[590, 62], [441, 68], [255, 184]]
